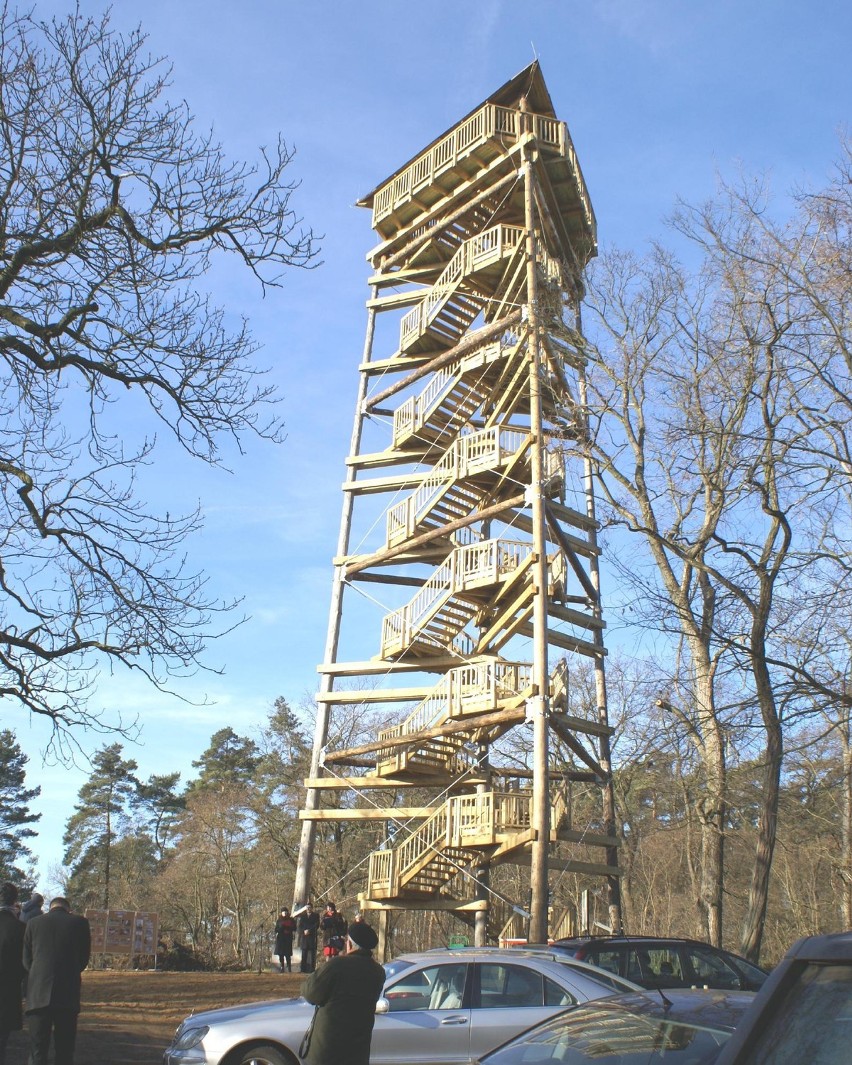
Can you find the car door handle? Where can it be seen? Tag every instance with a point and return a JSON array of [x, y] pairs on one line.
[[458, 1018]]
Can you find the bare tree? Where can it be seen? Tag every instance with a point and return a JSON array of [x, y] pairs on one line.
[[112, 206]]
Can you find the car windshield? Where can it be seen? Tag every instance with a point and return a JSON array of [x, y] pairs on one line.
[[612, 1037]]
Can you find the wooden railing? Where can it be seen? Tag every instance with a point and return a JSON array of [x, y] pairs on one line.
[[488, 246], [464, 690], [462, 821], [490, 121], [414, 413], [468, 454]]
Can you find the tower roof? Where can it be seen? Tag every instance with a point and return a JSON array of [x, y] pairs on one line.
[[528, 83]]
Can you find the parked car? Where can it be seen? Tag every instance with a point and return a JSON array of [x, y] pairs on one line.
[[678, 1027], [437, 1008], [661, 961], [803, 1013]]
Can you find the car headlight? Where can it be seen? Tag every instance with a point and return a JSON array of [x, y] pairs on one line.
[[190, 1038]]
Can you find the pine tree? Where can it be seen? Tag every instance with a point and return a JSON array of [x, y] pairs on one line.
[[15, 814], [97, 824]]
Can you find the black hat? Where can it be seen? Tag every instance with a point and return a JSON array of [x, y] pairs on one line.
[[363, 936]]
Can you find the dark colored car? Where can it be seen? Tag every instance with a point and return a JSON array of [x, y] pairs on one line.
[[660, 961], [803, 1013], [678, 1027]]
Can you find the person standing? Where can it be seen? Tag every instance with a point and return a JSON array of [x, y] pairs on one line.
[[346, 991], [33, 907], [285, 929], [333, 929], [11, 967], [308, 928], [57, 946]]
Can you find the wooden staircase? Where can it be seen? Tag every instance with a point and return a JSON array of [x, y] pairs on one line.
[[450, 306], [460, 832], [482, 686], [452, 396], [463, 585], [467, 473]]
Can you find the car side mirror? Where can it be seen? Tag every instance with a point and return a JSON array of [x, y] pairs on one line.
[[382, 1006]]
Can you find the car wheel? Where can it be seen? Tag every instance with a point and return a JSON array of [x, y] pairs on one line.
[[264, 1055]]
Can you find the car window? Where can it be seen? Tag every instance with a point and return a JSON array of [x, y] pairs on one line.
[[711, 968], [504, 986], [607, 959], [554, 995], [605, 977], [812, 1024], [638, 965], [437, 987]]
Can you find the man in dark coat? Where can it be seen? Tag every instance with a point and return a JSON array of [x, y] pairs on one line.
[[346, 990], [11, 968], [56, 950], [308, 928]]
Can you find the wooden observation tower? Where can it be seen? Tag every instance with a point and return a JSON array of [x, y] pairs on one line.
[[467, 554]]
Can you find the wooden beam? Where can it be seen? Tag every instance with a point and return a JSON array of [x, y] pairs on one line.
[[576, 617], [594, 839], [373, 695], [568, 865], [582, 724], [470, 343], [423, 904], [379, 666], [366, 782], [449, 727], [369, 813]]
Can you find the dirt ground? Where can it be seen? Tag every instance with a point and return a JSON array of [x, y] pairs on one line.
[[128, 1018]]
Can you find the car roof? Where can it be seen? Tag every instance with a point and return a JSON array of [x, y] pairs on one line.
[[834, 947], [594, 972]]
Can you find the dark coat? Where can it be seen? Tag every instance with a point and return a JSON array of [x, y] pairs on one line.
[[11, 972], [284, 929], [56, 950], [347, 990], [308, 923]]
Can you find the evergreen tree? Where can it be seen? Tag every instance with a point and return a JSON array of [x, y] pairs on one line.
[[98, 822], [15, 814], [229, 761], [160, 805]]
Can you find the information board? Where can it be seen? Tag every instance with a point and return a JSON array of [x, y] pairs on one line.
[[123, 931]]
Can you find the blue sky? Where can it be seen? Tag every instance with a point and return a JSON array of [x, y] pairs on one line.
[[659, 95]]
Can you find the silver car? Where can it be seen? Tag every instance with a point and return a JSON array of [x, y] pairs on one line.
[[437, 1008]]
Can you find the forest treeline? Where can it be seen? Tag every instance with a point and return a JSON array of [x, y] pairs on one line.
[[215, 855]]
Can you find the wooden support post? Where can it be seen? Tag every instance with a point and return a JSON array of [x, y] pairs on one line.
[[538, 705], [613, 883], [304, 865]]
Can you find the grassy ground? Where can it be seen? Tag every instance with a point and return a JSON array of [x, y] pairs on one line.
[[128, 1018]]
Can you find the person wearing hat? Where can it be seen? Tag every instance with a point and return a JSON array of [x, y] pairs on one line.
[[346, 991]]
